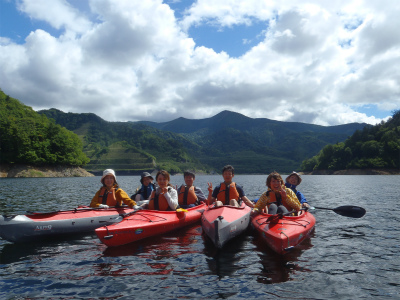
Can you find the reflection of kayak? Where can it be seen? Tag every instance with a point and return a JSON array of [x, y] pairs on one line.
[[283, 233], [36, 226], [145, 223], [225, 222]]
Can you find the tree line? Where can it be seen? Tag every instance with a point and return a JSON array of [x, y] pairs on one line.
[[27, 137], [373, 147]]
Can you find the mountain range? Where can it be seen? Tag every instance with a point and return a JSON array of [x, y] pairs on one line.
[[251, 145]]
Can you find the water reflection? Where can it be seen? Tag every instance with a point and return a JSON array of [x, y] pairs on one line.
[[279, 268]]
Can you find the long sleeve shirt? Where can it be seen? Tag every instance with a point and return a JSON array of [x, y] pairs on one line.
[[299, 195]]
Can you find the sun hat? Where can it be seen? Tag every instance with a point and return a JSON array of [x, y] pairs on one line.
[[145, 174], [294, 173], [108, 172]]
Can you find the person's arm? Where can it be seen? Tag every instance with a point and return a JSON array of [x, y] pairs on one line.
[[291, 200], [210, 198], [95, 200], [120, 194], [261, 203], [199, 194], [172, 198], [242, 195]]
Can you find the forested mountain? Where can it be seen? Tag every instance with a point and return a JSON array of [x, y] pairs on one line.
[[250, 145], [373, 147], [128, 148], [27, 137]]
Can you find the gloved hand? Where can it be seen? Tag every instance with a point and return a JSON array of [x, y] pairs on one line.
[[103, 206]]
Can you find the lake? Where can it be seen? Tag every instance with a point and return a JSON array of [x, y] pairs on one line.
[[345, 258]]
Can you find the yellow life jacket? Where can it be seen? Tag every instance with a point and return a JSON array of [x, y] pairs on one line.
[[158, 202], [108, 197], [186, 195], [227, 193]]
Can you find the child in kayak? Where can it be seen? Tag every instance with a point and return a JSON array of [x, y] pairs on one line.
[[164, 197], [227, 192], [110, 194], [142, 193], [292, 181], [278, 198], [188, 194]]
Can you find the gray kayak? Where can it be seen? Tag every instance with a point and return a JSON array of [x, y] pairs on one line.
[[39, 226], [223, 223]]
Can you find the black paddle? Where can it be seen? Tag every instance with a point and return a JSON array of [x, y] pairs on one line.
[[347, 211]]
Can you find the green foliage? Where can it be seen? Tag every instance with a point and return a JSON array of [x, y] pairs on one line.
[[372, 147], [27, 137]]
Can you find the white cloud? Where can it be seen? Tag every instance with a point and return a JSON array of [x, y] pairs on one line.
[[133, 60]]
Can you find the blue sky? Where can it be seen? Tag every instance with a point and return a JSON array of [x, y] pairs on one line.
[[306, 61]]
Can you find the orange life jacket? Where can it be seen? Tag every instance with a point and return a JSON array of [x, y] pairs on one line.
[[227, 193], [186, 195], [276, 197], [158, 202], [108, 197]]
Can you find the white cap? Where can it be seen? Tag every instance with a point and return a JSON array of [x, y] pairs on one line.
[[108, 172]]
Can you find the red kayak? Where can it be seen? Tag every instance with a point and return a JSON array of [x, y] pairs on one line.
[[145, 223], [283, 233], [223, 223]]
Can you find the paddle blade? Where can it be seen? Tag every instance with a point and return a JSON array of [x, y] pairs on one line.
[[350, 211]]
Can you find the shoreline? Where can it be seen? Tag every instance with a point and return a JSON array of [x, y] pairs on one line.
[[29, 171], [354, 172]]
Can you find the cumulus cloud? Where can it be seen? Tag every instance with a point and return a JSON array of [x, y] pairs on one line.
[[316, 62]]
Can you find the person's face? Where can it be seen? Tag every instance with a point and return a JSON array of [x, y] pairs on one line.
[[162, 181], [146, 181], [275, 184], [293, 180], [228, 176], [108, 181], [189, 180]]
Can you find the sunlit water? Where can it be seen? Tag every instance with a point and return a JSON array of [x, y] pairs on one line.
[[345, 258]]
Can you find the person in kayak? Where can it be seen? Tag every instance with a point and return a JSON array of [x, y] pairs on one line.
[[278, 198], [110, 194], [164, 197], [142, 193], [292, 181], [227, 192], [188, 194]]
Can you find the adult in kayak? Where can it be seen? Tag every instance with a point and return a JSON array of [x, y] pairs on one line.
[[188, 194], [143, 193], [227, 192], [164, 197], [110, 194], [292, 181], [278, 198]]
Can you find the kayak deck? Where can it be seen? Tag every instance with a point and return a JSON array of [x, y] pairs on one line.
[[223, 223], [145, 223], [38, 226], [283, 233]]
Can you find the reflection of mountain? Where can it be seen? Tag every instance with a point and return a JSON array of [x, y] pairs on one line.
[[279, 268]]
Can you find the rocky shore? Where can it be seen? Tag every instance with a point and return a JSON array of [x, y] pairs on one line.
[[13, 171]]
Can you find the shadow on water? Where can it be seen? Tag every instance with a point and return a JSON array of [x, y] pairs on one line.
[[279, 268], [16, 252]]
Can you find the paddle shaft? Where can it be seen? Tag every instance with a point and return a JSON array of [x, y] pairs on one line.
[[346, 211]]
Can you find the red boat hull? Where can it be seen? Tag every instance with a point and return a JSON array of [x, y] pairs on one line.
[[146, 223], [285, 233]]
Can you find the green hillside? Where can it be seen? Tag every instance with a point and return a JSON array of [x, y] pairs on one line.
[[250, 145], [373, 147], [27, 137], [128, 148]]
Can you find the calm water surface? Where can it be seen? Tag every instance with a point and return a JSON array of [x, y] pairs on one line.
[[344, 259]]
